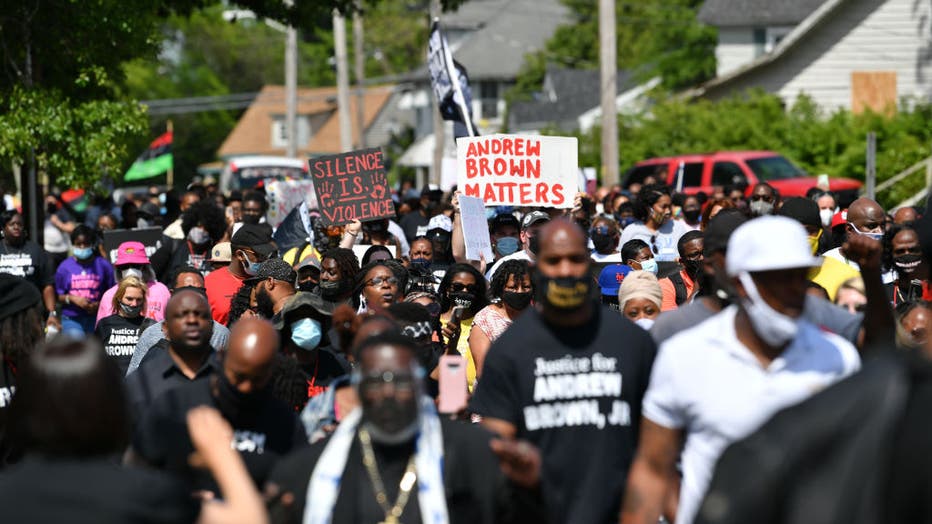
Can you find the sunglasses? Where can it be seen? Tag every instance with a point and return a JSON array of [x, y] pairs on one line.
[[378, 281], [457, 287]]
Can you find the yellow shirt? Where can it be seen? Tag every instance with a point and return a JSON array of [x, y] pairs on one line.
[[831, 274], [463, 347]]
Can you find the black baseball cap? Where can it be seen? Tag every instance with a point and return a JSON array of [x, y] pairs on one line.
[[803, 210], [277, 269], [257, 237], [502, 220], [721, 226], [534, 217]]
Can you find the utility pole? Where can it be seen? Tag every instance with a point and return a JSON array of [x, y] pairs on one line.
[[343, 109], [360, 63], [439, 124], [608, 64], [291, 88]]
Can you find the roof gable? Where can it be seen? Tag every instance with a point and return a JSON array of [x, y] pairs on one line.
[[756, 13]]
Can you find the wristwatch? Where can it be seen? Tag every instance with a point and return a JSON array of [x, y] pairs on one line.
[[53, 314]]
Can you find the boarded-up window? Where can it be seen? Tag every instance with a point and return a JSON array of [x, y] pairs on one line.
[[874, 90]]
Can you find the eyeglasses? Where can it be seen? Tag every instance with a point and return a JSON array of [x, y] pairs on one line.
[[378, 281], [458, 287], [765, 198], [375, 382]]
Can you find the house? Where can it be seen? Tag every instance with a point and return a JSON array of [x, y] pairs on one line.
[[570, 100], [853, 54], [490, 38], [261, 129]]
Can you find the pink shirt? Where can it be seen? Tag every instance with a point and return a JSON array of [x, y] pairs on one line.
[[156, 300]]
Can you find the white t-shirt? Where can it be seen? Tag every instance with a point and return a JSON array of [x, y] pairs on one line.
[[517, 255], [707, 383], [662, 243], [611, 257], [887, 277]]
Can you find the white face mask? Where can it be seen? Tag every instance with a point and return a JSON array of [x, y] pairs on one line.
[[645, 323], [132, 272], [826, 216], [775, 328]]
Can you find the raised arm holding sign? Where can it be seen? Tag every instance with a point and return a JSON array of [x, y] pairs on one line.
[[352, 186]]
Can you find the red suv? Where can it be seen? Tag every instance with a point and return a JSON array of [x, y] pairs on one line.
[[702, 172]]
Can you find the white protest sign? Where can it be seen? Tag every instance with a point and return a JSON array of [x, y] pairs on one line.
[[447, 173], [518, 170], [475, 228], [285, 195]]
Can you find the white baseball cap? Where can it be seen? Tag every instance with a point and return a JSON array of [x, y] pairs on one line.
[[769, 243], [440, 222]]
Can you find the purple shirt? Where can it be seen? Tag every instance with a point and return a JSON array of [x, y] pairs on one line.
[[88, 280]]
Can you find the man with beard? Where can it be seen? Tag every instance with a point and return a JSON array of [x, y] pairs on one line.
[[567, 373], [680, 287], [275, 282], [250, 246], [264, 428], [184, 356], [394, 460]]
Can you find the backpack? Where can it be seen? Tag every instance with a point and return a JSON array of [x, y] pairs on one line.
[[680, 286]]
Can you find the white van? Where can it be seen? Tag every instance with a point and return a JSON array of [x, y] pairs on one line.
[[244, 172]]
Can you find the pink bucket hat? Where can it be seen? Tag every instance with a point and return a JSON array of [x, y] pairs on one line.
[[131, 253]]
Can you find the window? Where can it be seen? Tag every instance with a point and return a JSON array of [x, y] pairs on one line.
[[773, 168], [637, 174], [280, 133], [728, 174], [773, 37], [760, 41], [488, 96], [692, 174]]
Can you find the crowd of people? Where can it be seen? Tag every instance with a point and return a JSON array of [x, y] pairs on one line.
[[595, 370]]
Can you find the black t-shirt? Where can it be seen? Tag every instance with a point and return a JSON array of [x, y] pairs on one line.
[[119, 336], [158, 374], [262, 433], [175, 254], [476, 490], [93, 491], [324, 370], [576, 394], [28, 261], [411, 222]]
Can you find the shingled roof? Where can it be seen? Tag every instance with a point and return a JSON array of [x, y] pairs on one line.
[[761, 13]]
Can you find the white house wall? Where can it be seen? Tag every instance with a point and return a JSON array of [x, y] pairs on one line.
[[735, 48], [860, 35]]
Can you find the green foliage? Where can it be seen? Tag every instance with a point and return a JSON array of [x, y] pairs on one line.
[[654, 37], [74, 141], [819, 141]]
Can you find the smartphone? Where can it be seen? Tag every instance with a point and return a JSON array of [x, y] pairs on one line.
[[452, 396], [457, 314], [822, 182]]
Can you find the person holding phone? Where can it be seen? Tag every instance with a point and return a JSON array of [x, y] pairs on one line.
[[511, 291], [462, 294]]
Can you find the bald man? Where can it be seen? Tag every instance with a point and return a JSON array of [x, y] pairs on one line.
[[865, 217], [566, 372], [264, 428], [905, 215]]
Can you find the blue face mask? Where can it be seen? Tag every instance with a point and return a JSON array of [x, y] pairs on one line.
[[251, 268], [306, 333], [83, 253], [626, 221], [507, 245], [650, 266]]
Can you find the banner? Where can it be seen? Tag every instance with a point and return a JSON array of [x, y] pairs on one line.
[[154, 161], [352, 186], [151, 237], [475, 228], [285, 195], [518, 170], [452, 90]]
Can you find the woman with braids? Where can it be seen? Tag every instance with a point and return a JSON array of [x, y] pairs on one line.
[[203, 225], [462, 294], [511, 291], [338, 267], [243, 303], [655, 226]]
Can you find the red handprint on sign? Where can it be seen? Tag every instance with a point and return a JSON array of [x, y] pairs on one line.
[[325, 193]]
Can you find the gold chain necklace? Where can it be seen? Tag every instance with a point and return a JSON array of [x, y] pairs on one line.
[[392, 513]]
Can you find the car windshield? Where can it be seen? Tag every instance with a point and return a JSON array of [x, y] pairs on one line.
[[770, 168]]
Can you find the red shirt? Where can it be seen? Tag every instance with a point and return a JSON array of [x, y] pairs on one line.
[[221, 287]]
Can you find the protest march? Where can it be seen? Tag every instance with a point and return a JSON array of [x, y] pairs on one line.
[[522, 328]]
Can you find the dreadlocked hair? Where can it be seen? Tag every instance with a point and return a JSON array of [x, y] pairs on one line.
[[20, 333], [346, 261], [240, 302], [289, 383]]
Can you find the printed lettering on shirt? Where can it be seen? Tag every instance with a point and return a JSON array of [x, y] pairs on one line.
[[122, 342], [248, 441], [18, 264], [576, 383], [6, 395]]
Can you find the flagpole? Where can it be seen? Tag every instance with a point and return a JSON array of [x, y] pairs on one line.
[[169, 179]]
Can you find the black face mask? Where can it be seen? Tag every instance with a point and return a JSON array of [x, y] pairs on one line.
[[331, 290], [612, 302], [562, 293], [308, 286], [692, 268], [231, 402], [907, 264], [533, 244], [691, 215], [463, 300], [602, 243], [516, 301], [251, 219]]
